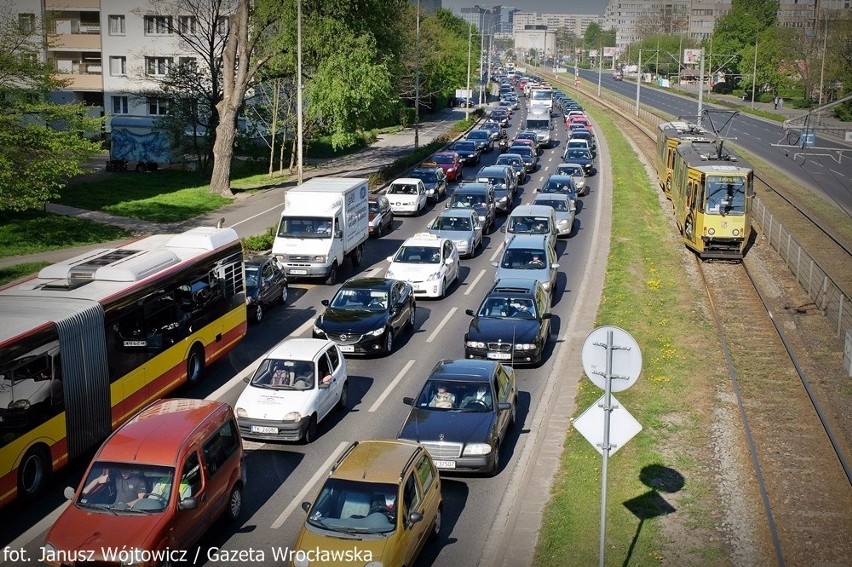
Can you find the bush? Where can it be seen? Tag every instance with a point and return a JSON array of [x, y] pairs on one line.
[[725, 88], [260, 242], [843, 112], [406, 116]]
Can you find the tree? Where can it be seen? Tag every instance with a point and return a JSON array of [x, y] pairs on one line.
[[42, 144]]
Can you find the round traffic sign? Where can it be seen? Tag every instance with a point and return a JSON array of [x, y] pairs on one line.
[[626, 358]]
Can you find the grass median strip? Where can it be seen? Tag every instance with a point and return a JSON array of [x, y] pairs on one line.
[[18, 271], [32, 232], [647, 292]]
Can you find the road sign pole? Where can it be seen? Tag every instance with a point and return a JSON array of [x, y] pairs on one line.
[[607, 407]]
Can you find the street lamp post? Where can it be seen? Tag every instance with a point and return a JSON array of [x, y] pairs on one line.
[[299, 120], [417, 81], [467, 92], [638, 81]]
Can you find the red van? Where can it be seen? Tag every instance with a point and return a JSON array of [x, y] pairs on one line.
[[153, 488]]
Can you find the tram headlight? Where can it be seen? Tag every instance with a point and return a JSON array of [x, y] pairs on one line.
[[736, 232], [711, 231]]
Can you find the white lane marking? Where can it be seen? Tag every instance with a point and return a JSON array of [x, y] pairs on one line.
[[391, 386], [233, 382], [497, 253], [373, 272], [300, 497], [474, 282], [835, 172], [257, 215], [441, 325]]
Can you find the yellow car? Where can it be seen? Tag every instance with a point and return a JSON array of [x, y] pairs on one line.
[[379, 505]]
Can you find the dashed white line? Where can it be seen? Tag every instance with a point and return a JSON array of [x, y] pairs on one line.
[[474, 282], [441, 325], [391, 386], [300, 497], [496, 253]]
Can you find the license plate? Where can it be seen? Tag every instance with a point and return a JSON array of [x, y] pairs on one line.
[[299, 272], [347, 348], [263, 429], [135, 343], [499, 356], [445, 464]]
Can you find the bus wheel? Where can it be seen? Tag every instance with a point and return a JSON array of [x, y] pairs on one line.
[[195, 365], [33, 472]]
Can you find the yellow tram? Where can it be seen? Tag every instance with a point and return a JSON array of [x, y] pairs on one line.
[[711, 191], [670, 135]]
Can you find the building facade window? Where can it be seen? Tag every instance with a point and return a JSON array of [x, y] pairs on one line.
[[116, 25], [118, 66], [222, 25], [120, 105], [187, 62], [158, 25], [26, 23], [157, 106], [158, 66], [187, 24]]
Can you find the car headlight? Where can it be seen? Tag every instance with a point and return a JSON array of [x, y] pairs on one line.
[[318, 331], [389, 275], [320, 259], [502, 199], [434, 276], [293, 416], [563, 222], [477, 449], [19, 404], [524, 346], [241, 412], [377, 333], [474, 344]]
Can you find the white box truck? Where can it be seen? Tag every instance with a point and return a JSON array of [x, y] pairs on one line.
[[324, 220], [540, 122]]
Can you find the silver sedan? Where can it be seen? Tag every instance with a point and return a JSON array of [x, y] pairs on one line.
[[462, 226]]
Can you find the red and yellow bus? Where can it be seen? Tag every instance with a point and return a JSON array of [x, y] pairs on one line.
[[92, 340]]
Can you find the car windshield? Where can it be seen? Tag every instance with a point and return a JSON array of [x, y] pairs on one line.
[[455, 395], [478, 135], [574, 170], [524, 151], [508, 161], [557, 204], [508, 307], [467, 201], [305, 227], [464, 146], [496, 182], [350, 506], [418, 255], [556, 187], [426, 176], [360, 299], [523, 259], [284, 374], [529, 225], [578, 154], [442, 159], [132, 488], [373, 207], [458, 224], [402, 189]]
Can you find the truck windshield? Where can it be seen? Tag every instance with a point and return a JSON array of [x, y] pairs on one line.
[[533, 124], [305, 227]]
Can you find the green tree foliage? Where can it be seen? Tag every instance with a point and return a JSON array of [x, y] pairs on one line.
[[741, 27], [42, 144]]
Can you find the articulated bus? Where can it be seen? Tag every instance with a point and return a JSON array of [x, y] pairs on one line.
[[712, 192], [669, 136], [92, 340]]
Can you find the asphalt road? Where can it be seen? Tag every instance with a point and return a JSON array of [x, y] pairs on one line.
[[824, 170], [281, 476]]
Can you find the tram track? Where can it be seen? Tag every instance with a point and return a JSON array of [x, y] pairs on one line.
[[783, 470]]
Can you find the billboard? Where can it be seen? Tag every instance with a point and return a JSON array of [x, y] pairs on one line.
[[593, 53], [609, 52], [691, 56]]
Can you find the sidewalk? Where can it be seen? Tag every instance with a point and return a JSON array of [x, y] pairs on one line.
[[387, 146]]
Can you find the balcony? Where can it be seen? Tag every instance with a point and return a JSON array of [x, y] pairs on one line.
[[80, 74], [74, 42]]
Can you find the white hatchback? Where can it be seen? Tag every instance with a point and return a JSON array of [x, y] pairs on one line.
[[295, 387], [407, 196], [429, 262]]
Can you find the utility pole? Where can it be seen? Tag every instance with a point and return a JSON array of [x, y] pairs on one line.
[[754, 74], [299, 119], [417, 82], [638, 81], [467, 92], [701, 88]]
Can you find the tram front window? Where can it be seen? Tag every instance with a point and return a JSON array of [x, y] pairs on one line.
[[725, 195]]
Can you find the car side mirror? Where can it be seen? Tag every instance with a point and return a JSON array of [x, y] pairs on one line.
[[325, 302], [68, 493], [414, 517], [390, 258], [408, 400], [449, 261], [470, 312], [247, 379], [502, 406], [306, 506], [503, 229], [495, 264], [188, 503], [554, 266]]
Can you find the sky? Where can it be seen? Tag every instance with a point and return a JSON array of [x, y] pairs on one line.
[[540, 6]]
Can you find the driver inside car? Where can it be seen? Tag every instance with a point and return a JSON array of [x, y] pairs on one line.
[[481, 399]]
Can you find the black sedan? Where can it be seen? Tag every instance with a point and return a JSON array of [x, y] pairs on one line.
[[266, 284], [512, 324], [582, 157], [462, 414], [468, 151], [366, 315], [434, 178]]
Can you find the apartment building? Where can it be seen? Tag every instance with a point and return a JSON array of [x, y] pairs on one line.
[[572, 23], [111, 53]]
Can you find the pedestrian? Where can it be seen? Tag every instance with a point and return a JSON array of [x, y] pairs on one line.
[[781, 102], [776, 102]]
